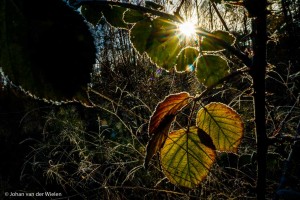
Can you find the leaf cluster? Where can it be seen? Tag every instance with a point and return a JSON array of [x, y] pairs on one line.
[[187, 154]]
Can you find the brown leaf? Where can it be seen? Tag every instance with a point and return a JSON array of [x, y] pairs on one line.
[[161, 120]]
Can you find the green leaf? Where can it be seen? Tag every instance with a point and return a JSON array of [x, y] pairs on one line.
[[211, 69], [114, 16], [211, 44], [133, 16], [158, 39], [139, 35], [185, 160], [47, 50], [161, 120], [222, 124], [186, 60], [92, 14], [163, 45]]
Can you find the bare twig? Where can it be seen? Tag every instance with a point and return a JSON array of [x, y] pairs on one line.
[[176, 13], [219, 15]]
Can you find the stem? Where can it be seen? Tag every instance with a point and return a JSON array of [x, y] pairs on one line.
[[219, 15], [258, 71], [131, 6], [179, 7]]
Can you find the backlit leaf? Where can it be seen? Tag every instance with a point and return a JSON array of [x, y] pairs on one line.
[[163, 45], [185, 160], [161, 120], [186, 60], [209, 44], [46, 48], [133, 16], [158, 39], [114, 16], [222, 124], [139, 35], [211, 69]]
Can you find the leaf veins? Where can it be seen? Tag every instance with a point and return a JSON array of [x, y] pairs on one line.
[[161, 120]]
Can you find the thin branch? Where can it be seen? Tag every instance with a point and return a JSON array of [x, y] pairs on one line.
[[276, 132], [178, 8], [131, 6], [219, 15]]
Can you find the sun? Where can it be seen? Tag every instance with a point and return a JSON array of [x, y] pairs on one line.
[[187, 29]]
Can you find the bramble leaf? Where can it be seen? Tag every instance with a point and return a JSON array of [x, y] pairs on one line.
[[209, 44], [186, 60], [185, 159], [158, 39], [211, 69], [114, 16], [133, 16], [139, 35], [161, 120], [163, 45], [222, 124]]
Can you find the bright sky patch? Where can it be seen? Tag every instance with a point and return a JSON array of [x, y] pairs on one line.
[[187, 29]]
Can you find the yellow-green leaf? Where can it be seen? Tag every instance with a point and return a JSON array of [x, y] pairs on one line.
[[185, 160], [211, 44], [211, 69], [186, 60], [222, 124], [161, 120]]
